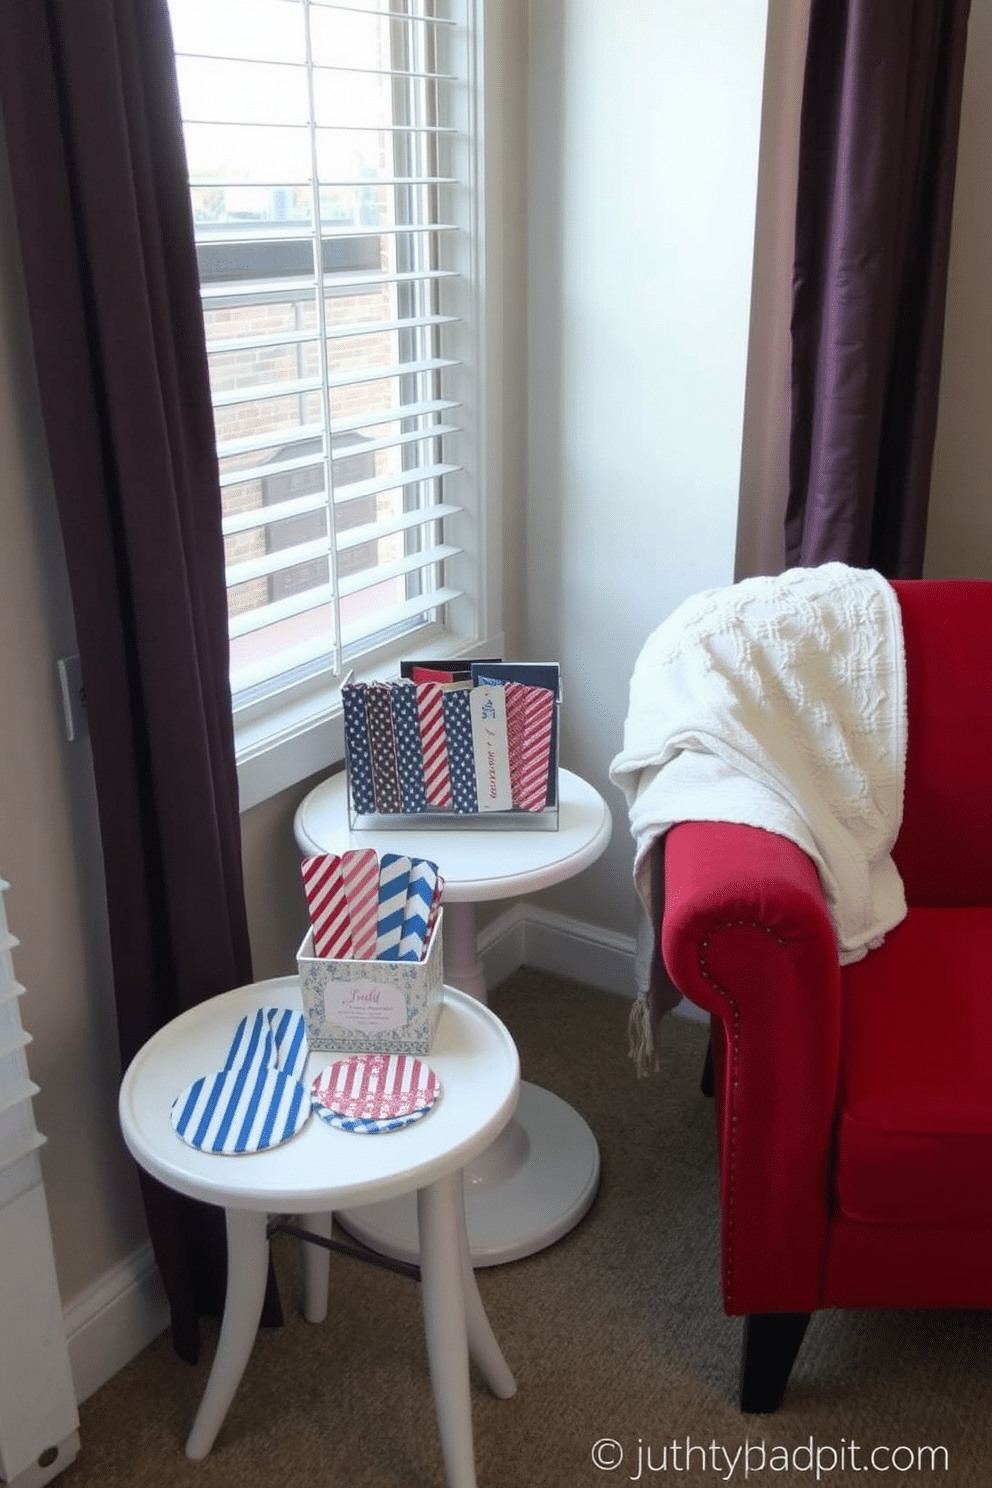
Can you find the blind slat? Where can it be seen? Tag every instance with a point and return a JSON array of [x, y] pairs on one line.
[[303, 232], [354, 422], [380, 483], [335, 333], [323, 594], [323, 648], [267, 391], [301, 506], [412, 609], [354, 537], [313, 501], [343, 105], [363, 10], [273, 563], [413, 563], [378, 72], [298, 433], [290, 288], [217, 183]]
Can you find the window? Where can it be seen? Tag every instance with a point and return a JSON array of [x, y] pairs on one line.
[[333, 179]]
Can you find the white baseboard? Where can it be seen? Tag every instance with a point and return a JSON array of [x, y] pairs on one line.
[[526, 935], [119, 1315], [109, 1323]]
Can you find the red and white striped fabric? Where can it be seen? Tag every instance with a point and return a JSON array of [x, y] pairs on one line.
[[376, 1087], [360, 871], [434, 911], [529, 743], [516, 724], [430, 710], [328, 905]]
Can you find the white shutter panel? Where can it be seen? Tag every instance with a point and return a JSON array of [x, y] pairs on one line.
[[318, 140]]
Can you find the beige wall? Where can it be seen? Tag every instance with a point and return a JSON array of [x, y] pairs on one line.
[[49, 843], [643, 156], [959, 531], [608, 535]]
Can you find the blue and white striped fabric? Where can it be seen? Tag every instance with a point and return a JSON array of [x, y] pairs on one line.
[[253, 1042], [257, 1100], [394, 879], [420, 896], [368, 1127], [289, 1030]]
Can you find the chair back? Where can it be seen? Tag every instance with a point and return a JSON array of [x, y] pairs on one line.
[[944, 848]]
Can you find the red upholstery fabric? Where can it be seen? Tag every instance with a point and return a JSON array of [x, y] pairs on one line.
[[944, 848], [853, 1107], [914, 1135]]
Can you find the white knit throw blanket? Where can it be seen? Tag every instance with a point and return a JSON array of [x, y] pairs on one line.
[[778, 702]]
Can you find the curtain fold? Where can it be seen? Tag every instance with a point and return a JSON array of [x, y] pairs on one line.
[[92, 126], [877, 155]]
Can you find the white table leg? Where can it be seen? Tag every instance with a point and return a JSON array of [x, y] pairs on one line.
[[462, 967], [316, 1267], [438, 1209], [482, 1344], [247, 1273]]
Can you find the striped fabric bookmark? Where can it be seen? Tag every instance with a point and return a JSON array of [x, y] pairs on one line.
[[327, 903], [382, 743], [430, 710], [394, 880], [356, 732], [409, 748], [529, 720], [419, 900], [360, 871], [461, 753]]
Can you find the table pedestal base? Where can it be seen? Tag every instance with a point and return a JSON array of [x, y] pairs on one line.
[[523, 1193]]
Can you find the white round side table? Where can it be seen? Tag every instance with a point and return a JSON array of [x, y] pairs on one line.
[[541, 1175], [321, 1169]]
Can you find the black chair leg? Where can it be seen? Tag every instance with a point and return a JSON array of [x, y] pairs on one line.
[[706, 1083], [771, 1343]]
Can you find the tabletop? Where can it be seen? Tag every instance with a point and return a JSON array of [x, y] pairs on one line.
[[320, 1168], [477, 864]]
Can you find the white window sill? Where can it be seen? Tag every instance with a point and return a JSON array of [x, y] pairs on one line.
[[296, 738]]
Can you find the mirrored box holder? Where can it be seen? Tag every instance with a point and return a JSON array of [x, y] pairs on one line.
[[546, 674]]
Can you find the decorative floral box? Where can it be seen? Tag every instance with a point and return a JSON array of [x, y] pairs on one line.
[[372, 1007]]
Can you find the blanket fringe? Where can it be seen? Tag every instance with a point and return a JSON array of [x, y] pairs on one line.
[[642, 1032]]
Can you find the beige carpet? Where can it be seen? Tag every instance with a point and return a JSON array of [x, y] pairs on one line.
[[615, 1334]]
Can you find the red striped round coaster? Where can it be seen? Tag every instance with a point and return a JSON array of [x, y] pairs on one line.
[[376, 1087]]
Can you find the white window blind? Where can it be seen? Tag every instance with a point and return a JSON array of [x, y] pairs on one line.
[[325, 167]]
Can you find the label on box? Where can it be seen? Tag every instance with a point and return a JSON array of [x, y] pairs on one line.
[[368, 1006], [489, 742]]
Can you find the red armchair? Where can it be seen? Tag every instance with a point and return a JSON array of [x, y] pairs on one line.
[[854, 1104]]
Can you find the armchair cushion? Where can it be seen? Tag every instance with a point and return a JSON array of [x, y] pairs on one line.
[[914, 1135]]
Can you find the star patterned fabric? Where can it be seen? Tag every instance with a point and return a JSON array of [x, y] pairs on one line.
[[409, 750], [461, 756]]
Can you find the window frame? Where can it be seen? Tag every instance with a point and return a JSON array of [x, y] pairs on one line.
[[295, 730]]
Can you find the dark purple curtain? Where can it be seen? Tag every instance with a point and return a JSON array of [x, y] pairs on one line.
[[91, 118], [877, 154]]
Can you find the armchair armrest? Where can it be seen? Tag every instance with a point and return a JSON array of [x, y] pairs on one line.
[[746, 935]]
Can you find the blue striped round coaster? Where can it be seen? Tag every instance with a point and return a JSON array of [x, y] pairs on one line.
[[241, 1110], [368, 1126]]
